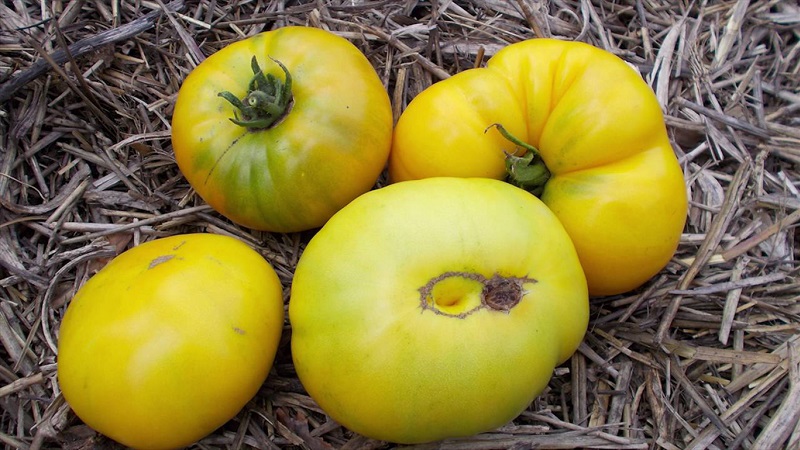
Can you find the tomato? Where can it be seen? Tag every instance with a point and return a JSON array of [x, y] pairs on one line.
[[325, 143], [170, 339], [417, 315], [601, 156]]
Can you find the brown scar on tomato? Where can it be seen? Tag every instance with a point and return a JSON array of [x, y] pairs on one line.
[[502, 294], [160, 260], [239, 331], [499, 293]]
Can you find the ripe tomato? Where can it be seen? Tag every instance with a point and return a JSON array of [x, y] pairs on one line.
[[170, 340], [596, 130], [327, 143], [435, 308]]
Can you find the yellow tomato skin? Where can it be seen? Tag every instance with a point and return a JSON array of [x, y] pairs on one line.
[[170, 340], [330, 148], [468, 141], [615, 183], [384, 362]]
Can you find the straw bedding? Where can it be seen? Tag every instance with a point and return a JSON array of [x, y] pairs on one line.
[[704, 356]]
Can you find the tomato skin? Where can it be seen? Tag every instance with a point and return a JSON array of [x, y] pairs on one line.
[[615, 182], [464, 148], [383, 365], [170, 340], [330, 148]]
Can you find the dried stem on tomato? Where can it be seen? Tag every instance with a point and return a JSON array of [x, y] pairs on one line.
[[268, 99]]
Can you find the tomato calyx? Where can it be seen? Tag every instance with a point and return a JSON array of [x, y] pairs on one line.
[[460, 294], [268, 99], [527, 171]]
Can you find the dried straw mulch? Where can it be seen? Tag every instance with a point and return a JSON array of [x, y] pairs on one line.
[[704, 356]]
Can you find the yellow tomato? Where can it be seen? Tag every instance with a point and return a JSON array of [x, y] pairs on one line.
[[435, 308], [614, 181], [321, 139], [170, 340]]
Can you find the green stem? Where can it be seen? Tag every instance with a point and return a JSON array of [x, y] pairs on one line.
[[268, 99], [527, 171]]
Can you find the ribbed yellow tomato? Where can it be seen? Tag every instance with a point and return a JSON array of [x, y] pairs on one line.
[[599, 135], [435, 308], [309, 133], [170, 340]]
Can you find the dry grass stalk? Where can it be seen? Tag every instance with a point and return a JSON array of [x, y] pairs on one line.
[[704, 356]]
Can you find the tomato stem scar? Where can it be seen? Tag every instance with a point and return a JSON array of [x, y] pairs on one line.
[[267, 101], [497, 293], [527, 171], [502, 294]]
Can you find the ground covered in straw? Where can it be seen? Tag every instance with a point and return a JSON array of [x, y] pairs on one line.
[[704, 356]]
